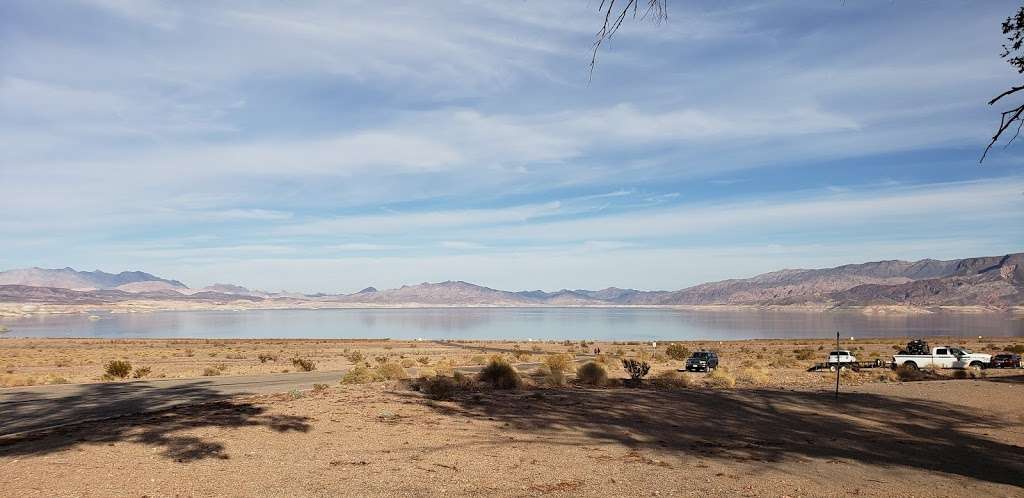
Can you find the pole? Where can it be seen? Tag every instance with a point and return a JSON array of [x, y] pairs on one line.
[[839, 366]]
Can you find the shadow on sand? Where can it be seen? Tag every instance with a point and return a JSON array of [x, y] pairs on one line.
[[766, 426], [165, 417]]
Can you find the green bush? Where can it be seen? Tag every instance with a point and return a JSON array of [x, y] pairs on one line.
[[677, 351], [500, 374], [636, 369], [118, 369], [592, 373]]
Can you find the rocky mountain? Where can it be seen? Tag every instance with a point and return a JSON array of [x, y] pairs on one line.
[[69, 278], [987, 281]]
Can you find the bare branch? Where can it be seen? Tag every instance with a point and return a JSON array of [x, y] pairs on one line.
[[614, 18], [1004, 124], [1008, 92]]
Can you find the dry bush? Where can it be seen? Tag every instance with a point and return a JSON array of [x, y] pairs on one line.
[[604, 359], [478, 360], [210, 372], [500, 374], [354, 356], [670, 380], [636, 369], [753, 375], [408, 363], [444, 366], [720, 378], [592, 373], [423, 360], [360, 374], [782, 362], [319, 388], [118, 369], [558, 362], [390, 371], [265, 357], [804, 354], [677, 351], [304, 364], [141, 372], [887, 376], [549, 377], [443, 387]]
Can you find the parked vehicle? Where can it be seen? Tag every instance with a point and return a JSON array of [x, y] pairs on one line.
[[701, 361], [1006, 360], [840, 359], [943, 357]]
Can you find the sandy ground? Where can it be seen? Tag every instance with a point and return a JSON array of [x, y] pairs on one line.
[[756, 363], [937, 438]]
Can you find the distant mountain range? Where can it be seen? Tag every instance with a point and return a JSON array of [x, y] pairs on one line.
[[992, 281]]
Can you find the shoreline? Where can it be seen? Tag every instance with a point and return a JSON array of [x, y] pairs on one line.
[[27, 310]]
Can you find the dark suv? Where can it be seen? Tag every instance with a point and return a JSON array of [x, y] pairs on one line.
[[1005, 360], [701, 361]]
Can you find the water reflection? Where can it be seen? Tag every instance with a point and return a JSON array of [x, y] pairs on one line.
[[518, 323]]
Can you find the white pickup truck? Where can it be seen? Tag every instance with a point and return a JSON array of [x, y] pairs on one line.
[[943, 357]]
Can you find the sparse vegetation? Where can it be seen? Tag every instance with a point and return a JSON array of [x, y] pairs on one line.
[[360, 374], [670, 380], [141, 372], [319, 388], [804, 354], [390, 371], [637, 370], [500, 374], [592, 373], [443, 387], [304, 364], [753, 375], [210, 372], [265, 357], [720, 378], [677, 351], [1015, 348], [118, 369]]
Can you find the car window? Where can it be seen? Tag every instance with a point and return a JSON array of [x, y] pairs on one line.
[[942, 351]]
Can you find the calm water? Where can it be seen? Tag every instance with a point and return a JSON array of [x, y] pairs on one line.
[[528, 323]]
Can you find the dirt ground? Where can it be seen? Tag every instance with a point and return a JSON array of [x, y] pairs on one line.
[[933, 438], [760, 363]]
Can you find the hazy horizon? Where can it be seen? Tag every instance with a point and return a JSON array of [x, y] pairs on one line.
[[324, 148]]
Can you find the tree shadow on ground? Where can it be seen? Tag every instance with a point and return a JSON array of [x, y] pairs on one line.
[[130, 413], [766, 426], [1007, 379]]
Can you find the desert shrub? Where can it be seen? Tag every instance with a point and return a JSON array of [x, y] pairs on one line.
[[1016, 348], [592, 373], [782, 362], [380, 359], [658, 358], [670, 380], [478, 360], [558, 362], [804, 354], [500, 374], [141, 372], [265, 357], [54, 379], [361, 374], [444, 387], [753, 375], [553, 378], [319, 388], [304, 364], [424, 360], [235, 356], [391, 371], [677, 351], [604, 359], [118, 369], [636, 369], [969, 374], [887, 376], [355, 356], [210, 372], [720, 378], [444, 366], [911, 374], [408, 363]]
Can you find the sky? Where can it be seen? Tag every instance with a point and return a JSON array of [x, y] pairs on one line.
[[330, 146]]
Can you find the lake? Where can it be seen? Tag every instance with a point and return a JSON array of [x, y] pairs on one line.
[[512, 323]]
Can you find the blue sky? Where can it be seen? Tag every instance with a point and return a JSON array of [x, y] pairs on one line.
[[329, 146]]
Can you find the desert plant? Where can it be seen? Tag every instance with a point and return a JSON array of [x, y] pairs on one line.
[[720, 377], [407, 363], [319, 388], [141, 372], [677, 351], [478, 360], [670, 380], [558, 362], [390, 371], [753, 375], [804, 354], [1016, 348], [210, 372], [424, 360], [360, 374], [118, 369], [500, 374], [304, 364], [444, 387], [592, 373], [355, 356], [265, 357], [636, 369]]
